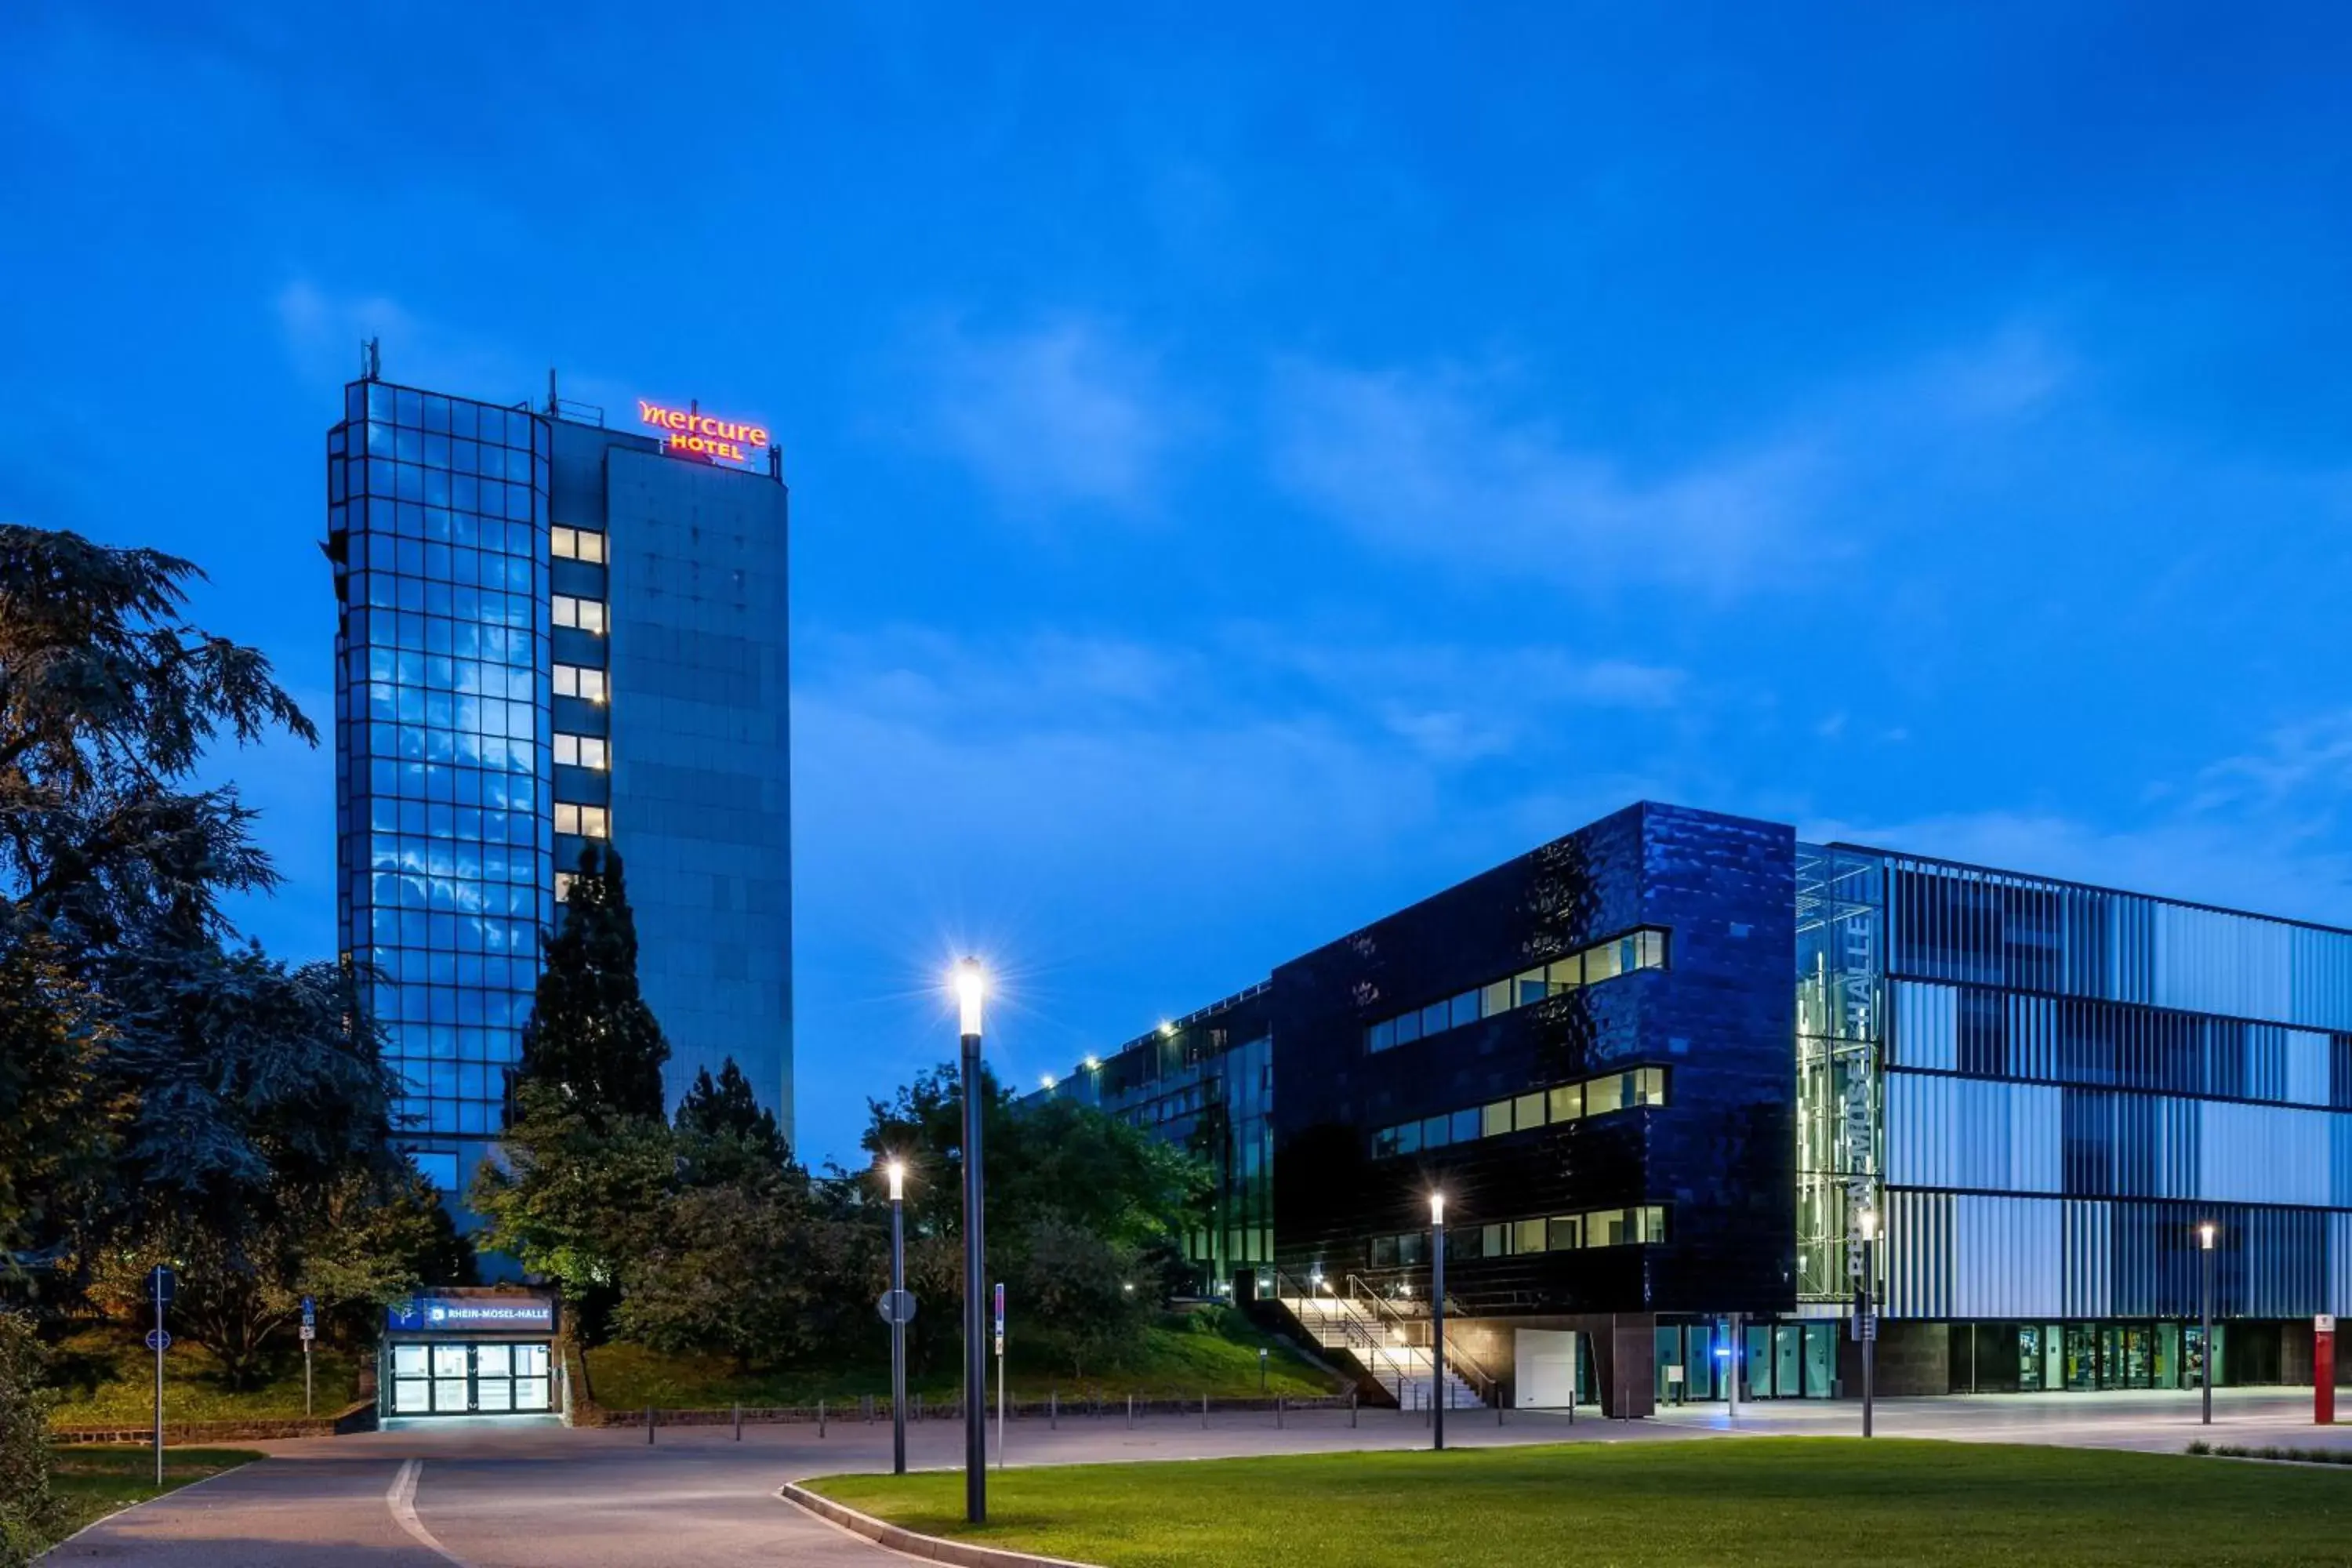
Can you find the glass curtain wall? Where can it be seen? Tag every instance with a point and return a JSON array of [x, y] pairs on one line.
[[1841, 995], [437, 522]]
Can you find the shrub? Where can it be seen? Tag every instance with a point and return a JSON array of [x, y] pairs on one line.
[[27, 1509]]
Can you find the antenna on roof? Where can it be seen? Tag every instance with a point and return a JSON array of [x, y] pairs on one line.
[[551, 392], [370, 361]]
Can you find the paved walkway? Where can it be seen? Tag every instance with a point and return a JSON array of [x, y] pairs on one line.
[[541, 1495]]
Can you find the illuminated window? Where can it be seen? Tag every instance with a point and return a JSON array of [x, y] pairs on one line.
[[563, 881], [1605, 961], [577, 544], [580, 681], [1525, 1112], [580, 751], [585, 615], [587, 821]]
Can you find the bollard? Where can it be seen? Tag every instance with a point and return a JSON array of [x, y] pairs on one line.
[[1499, 1408], [1278, 1413], [650, 1425], [1130, 1413], [739, 1421], [1204, 1413], [820, 1417], [919, 1407], [1053, 1409], [1351, 1409]]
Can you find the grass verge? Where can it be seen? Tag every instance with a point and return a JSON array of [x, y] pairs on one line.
[[1185, 1355], [105, 1377], [92, 1481], [1760, 1503]]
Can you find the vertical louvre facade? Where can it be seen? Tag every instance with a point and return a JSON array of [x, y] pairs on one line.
[[2076, 1079]]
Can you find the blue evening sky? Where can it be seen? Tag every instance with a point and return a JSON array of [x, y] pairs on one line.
[[1255, 465]]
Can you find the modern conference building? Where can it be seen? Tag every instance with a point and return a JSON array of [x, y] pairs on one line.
[[1669, 1069], [552, 634]]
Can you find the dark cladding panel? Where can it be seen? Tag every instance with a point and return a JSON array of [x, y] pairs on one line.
[[1719, 1019]]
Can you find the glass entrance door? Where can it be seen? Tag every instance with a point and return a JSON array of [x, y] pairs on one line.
[[470, 1378]]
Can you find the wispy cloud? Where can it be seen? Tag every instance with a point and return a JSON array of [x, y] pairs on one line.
[[1069, 412], [1424, 463], [321, 332], [1436, 463]]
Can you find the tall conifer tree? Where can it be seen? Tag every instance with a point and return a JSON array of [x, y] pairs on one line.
[[591, 1040]]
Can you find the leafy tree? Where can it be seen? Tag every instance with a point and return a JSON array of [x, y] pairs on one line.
[[591, 1041], [1056, 1171], [725, 1134], [108, 697], [578, 1195], [257, 1159]]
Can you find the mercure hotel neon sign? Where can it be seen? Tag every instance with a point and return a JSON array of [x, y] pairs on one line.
[[699, 434]]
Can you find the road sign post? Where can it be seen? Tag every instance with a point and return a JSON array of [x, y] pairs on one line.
[[159, 1291], [999, 1375], [310, 1332]]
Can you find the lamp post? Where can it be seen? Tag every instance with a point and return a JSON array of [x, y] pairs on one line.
[[971, 985], [2206, 1231], [1868, 1322], [1437, 1318], [897, 1172]]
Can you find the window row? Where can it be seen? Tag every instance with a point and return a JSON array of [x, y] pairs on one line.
[[453, 932], [466, 606], [385, 404], [464, 1021], [394, 969], [380, 481], [453, 711], [410, 630], [1537, 1108], [1642, 1225], [441, 562], [427, 1117], [587, 821], [580, 751], [436, 525], [576, 545], [587, 614], [580, 681], [465, 673], [415, 742], [1604, 961], [453, 895], [436, 784], [458, 454]]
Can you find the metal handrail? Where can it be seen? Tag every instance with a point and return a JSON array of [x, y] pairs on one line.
[[1363, 1339], [1482, 1382]]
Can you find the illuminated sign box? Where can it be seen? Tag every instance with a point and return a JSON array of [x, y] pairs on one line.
[[690, 433], [455, 1314]]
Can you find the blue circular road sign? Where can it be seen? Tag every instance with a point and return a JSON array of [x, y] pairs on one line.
[[157, 1340]]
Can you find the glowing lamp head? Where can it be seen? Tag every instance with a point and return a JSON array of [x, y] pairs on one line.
[[2206, 1230], [1868, 1220], [1437, 1209], [971, 986], [1047, 1081], [897, 1171], [1092, 1063]]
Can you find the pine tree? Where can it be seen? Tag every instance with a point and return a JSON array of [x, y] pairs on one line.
[[591, 1041], [728, 1107]]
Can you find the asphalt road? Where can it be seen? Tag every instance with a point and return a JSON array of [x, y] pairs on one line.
[[514, 1495]]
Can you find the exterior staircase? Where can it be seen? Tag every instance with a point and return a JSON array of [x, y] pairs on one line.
[[1388, 1346]]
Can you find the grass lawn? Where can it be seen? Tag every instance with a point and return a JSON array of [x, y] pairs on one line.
[[1759, 1502], [1188, 1354], [106, 1378], [93, 1481]]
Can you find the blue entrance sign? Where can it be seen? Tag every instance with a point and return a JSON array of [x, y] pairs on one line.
[[464, 1314]]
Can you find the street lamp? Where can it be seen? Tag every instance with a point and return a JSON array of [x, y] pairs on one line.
[[1437, 1317], [2206, 1231], [897, 1170], [971, 985], [1868, 1322]]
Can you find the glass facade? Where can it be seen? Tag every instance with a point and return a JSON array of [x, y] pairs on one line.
[[551, 634], [437, 517]]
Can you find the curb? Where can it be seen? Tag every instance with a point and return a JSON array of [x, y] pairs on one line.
[[930, 1548]]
